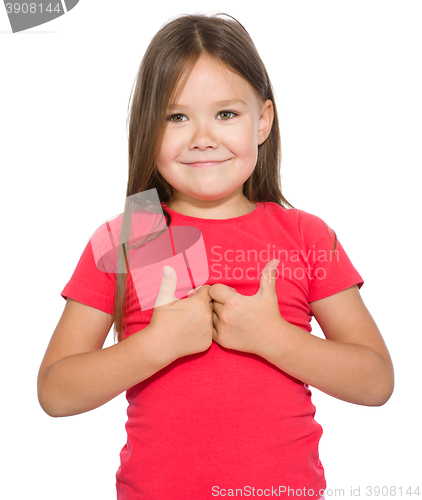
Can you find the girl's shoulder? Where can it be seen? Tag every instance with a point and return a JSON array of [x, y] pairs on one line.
[[295, 216], [305, 228]]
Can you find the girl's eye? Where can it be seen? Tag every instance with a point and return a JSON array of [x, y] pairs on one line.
[[176, 118], [226, 115]]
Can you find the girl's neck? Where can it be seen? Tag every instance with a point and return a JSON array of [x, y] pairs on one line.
[[212, 210]]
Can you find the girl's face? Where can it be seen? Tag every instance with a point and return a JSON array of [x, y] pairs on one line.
[[210, 144]]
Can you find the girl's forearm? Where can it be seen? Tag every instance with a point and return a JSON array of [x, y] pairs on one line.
[[351, 372], [84, 381]]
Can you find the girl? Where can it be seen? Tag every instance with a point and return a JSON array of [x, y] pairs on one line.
[[217, 381]]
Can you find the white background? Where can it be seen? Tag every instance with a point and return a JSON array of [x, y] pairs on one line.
[[347, 77]]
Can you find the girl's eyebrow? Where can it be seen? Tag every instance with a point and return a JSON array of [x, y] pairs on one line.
[[230, 102], [227, 102]]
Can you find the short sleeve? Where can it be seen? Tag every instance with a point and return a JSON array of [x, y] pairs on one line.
[[330, 268], [89, 285]]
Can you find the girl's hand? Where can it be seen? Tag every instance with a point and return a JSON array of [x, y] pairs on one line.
[[180, 327], [242, 322]]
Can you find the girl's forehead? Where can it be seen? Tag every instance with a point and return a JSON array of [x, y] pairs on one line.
[[207, 65], [209, 73]]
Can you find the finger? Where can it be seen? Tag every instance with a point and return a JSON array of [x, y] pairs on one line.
[[193, 291], [215, 327], [214, 335], [220, 292], [167, 288], [273, 271], [202, 290], [216, 306], [268, 278]]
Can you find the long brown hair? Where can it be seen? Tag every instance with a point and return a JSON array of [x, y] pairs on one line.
[[166, 65]]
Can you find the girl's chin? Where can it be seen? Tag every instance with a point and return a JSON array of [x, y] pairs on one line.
[[210, 196]]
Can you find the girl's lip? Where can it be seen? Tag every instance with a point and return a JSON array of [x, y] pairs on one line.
[[206, 163]]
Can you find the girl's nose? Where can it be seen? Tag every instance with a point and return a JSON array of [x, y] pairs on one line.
[[203, 138]]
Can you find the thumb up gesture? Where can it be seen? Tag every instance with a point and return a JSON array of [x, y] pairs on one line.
[[180, 327], [244, 322]]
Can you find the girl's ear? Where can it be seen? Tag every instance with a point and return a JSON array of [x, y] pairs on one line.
[[265, 121]]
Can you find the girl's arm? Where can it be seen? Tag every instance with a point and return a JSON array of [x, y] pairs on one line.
[[352, 364], [77, 375]]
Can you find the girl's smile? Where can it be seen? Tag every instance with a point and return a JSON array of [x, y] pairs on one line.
[[210, 143], [199, 164]]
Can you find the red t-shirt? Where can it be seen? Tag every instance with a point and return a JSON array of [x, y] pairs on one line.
[[222, 419]]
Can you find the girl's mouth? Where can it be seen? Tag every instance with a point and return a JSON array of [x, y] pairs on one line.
[[202, 164]]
